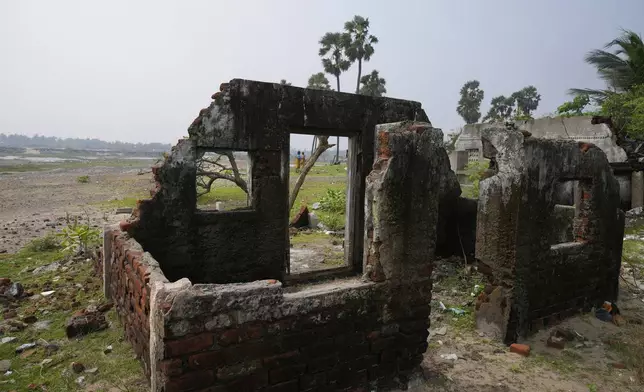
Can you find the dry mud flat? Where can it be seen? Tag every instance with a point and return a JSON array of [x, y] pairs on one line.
[[33, 204]]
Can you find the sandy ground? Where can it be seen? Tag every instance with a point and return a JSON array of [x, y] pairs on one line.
[[35, 203]]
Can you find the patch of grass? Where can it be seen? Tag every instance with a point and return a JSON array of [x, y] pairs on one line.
[[323, 170], [82, 179], [75, 288], [314, 189], [129, 201], [464, 322], [309, 237], [561, 365], [44, 244], [333, 257], [332, 220], [629, 344], [633, 251], [516, 368], [231, 195]]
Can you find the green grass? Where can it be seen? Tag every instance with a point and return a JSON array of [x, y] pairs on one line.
[[129, 201], [118, 369], [562, 365], [310, 237]]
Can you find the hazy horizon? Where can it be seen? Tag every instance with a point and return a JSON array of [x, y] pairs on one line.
[[141, 71]]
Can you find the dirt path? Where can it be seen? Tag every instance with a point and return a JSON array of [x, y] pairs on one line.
[[35, 203]]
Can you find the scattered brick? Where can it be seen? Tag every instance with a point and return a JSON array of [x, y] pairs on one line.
[[521, 349]]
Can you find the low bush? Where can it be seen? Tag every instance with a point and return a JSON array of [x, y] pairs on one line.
[[82, 179], [44, 244]]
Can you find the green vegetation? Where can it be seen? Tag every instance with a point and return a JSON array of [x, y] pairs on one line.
[[332, 208], [82, 179], [469, 106], [75, 288], [475, 171], [76, 239], [518, 106], [562, 365], [623, 72], [626, 111], [129, 201], [47, 243]]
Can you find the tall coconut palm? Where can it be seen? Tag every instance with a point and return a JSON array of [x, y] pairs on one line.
[[622, 70], [373, 85], [360, 46], [335, 62]]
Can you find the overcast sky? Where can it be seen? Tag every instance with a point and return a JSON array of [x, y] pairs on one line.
[[141, 70]]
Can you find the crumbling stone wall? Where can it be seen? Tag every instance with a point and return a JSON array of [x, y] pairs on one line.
[[347, 334], [533, 281], [207, 247]]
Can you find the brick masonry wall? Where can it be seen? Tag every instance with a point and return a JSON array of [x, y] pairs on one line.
[[127, 276], [347, 342]]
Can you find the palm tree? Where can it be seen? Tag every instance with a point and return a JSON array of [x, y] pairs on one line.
[[332, 45], [373, 85], [622, 70], [360, 46]]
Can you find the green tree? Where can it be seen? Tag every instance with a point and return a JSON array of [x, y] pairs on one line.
[[373, 85], [500, 110], [334, 61], [359, 47], [469, 105], [626, 111], [621, 70], [319, 82], [283, 82], [574, 107], [527, 100]]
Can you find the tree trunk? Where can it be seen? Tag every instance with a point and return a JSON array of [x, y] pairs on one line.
[[323, 145], [359, 74], [337, 78]]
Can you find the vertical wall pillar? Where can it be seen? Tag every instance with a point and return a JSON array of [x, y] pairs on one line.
[[637, 189]]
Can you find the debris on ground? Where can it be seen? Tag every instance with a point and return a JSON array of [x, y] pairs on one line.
[[84, 322], [521, 349], [77, 367], [24, 347]]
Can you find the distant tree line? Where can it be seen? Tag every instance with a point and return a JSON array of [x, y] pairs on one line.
[[518, 106], [39, 141]]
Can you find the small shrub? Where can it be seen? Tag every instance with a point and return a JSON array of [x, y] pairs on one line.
[[82, 179], [333, 221], [76, 238], [475, 171], [44, 244], [334, 201]]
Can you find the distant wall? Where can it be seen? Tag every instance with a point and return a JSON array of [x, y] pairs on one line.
[[566, 128]]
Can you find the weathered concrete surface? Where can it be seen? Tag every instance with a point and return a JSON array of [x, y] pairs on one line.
[[403, 194], [579, 129], [544, 282], [637, 189]]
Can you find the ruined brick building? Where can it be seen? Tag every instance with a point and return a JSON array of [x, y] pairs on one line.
[[207, 299]]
